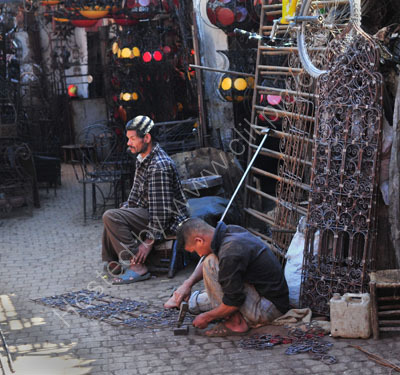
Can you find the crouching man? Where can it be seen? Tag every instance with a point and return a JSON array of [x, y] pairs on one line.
[[244, 281]]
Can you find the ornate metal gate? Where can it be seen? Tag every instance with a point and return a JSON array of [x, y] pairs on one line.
[[342, 201]]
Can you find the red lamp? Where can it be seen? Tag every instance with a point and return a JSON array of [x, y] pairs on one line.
[[157, 55], [227, 14], [147, 57]]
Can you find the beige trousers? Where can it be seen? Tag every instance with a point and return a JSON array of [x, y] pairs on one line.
[[256, 310]]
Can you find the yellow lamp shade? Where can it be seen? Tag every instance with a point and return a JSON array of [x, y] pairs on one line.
[[119, 53], [115, 48], [226, 84], [60, 19], [135, 96], [50, 2], [250, 82], [240, 84], [126, 96], [93, 14], [135, 52], [126, 53]]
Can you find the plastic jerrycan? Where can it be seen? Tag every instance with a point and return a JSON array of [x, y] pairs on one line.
[[350, 315]]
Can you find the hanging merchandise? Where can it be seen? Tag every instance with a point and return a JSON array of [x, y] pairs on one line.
[[228, 14], [123, 15], [169, 5], [234, 88], [126, 45], [143, 8], [50, 2], [155, 55], [78, 20], [83, 22], [59, 15], [72, 91], [123, 19], [153, 52], [150, 64], [129, 93]]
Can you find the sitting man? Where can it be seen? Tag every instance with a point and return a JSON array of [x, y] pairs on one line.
[[244, 281], [155, 207]]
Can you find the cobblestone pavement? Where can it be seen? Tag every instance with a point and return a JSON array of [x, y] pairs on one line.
[[53, 252]]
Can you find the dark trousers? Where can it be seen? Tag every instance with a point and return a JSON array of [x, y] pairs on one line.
[[122, 225]]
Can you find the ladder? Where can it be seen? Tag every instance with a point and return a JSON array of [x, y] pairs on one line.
[[283, 103]]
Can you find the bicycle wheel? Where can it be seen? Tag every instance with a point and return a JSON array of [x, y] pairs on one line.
[[313, 37]]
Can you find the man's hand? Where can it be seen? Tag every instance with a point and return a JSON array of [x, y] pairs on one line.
[[143, 251], [181, 294], [202, 321]]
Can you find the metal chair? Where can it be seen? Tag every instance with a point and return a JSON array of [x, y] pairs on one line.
[[99, 165]]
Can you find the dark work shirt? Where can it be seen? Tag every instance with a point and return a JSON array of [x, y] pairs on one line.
[[244, 258]]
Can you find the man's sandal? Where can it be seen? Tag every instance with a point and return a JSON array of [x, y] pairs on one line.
[[130, 277]]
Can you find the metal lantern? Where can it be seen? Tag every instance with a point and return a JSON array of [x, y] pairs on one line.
[[129, 95], [83, 22], [234, 88], [166, 4], [126, 46], [227, 14], [153, 55], [143, 8], [50, 2]]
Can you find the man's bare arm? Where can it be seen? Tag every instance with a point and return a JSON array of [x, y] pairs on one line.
[[183, 292]]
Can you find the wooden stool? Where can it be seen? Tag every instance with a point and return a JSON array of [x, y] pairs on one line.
[[385, 301], [165, 257]]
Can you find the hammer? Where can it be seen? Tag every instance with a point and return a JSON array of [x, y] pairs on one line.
[[179, 330]]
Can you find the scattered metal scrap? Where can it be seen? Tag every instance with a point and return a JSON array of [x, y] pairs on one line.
[[377, 359], [342, 202], [309, 341], [113, 310]]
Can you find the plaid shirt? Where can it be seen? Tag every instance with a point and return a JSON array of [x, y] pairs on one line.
[[156, 187]]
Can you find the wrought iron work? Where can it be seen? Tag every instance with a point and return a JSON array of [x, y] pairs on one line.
[[113, 310], [15, 183], [296, 146], [344, 179]]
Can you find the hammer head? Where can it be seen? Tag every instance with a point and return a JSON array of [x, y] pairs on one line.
[[181, 331]]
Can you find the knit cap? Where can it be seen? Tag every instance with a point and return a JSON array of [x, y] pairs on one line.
[[140, 123]]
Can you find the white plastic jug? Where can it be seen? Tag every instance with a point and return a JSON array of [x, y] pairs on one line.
[[350, 315]]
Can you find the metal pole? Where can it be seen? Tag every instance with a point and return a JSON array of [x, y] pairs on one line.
[[9, 359], [221, 70], [266, 131]]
